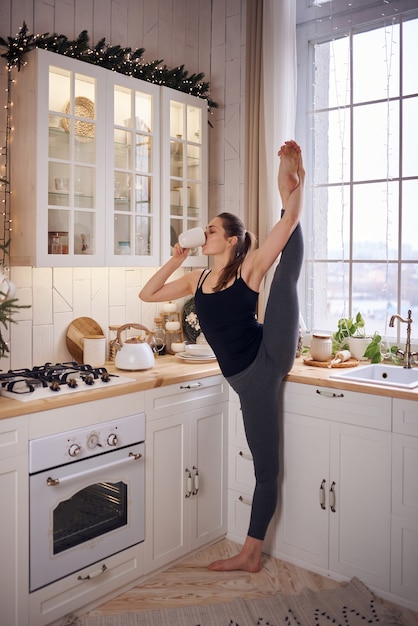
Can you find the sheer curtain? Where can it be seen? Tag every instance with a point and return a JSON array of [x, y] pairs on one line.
[[270, 107]]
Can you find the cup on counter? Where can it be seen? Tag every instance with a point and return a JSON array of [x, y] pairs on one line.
[[192, 238]]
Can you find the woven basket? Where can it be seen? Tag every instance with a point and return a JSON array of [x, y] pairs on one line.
[[83, 107]]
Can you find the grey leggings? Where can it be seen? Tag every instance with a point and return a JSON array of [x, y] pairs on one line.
[[259, 384]]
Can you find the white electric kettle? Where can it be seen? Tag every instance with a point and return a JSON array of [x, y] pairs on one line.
[[135, 353]]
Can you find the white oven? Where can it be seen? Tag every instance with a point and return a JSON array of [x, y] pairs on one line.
[[86, 497]]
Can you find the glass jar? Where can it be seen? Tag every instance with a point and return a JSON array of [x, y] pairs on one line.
[[124, 247], [159, 338], [321, 347]]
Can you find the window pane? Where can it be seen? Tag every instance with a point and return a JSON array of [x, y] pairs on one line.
[[376, 64], [410, 137], [332, 74], [328, 302], [332, 222], [410, 74], [410, 220], [332, 146], [376, 141], [375, 221], [409, 291], [375, 287]]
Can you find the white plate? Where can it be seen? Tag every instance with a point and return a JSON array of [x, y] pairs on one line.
[[192, 358]]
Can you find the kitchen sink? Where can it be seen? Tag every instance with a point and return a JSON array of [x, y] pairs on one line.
[[381, 374]]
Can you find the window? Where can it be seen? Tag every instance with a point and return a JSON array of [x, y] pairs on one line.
[[361, 131]]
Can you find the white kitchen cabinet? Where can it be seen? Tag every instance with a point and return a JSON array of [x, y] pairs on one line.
[[335, 507], [14, 547], [405, 500], [91, 167], [184, 169], [186, 455]]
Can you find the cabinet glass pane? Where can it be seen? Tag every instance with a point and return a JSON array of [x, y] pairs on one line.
[[194, 124], [143, 235], [84, 229], [122, 230], [72, 153], [133, 180], [143, 153], [176, 119], [194, 162]]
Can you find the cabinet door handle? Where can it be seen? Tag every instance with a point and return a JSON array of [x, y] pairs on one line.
[[196, 480], [191, 386], [245, 500], [189, 483], [322, 494], [329, 394], [245, 456], [332, 497]]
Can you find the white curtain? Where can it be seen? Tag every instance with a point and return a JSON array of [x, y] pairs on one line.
[[271, 107]]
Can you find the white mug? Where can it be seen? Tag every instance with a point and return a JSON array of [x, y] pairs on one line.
[[192, 238]]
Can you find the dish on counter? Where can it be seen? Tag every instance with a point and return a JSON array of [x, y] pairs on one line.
[[193, 358]]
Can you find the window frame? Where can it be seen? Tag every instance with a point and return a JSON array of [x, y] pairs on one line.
[[318, 24]]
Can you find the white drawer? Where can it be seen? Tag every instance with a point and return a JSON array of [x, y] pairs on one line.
[[348, 407], [236, 425], [405, 417], [241, 469], [185, 396]]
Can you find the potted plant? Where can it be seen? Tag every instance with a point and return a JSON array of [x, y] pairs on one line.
[[351, 335]]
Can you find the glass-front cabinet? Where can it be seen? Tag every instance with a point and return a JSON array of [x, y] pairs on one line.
[[133, 228], [184, 179], [105, 169]]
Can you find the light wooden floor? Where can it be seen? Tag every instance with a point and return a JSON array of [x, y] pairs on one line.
[[190, 582]]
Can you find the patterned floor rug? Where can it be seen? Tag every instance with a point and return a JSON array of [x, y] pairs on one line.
[[352, 604]]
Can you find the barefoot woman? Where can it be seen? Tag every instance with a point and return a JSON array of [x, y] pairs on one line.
[[253, 357]]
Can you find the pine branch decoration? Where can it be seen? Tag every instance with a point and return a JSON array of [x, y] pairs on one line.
[[116, 58]]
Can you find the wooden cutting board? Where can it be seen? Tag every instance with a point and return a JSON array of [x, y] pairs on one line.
[[76, 331]]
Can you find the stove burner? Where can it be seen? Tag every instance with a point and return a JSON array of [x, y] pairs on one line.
[[70, 374]]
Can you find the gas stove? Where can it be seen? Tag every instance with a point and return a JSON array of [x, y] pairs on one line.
[[48, 380]]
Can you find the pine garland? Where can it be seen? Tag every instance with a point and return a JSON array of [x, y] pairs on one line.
[[116, 58]]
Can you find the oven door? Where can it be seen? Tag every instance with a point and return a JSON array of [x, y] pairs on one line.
[[85, 511]]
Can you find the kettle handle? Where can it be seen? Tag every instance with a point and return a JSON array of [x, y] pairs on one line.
[[125, 327]]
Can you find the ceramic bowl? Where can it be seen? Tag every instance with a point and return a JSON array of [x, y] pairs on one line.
[[196, 349]]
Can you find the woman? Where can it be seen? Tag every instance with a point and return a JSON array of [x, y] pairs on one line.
[[253, 357]]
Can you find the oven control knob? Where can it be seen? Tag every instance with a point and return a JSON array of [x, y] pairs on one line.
[[112, 440], [74, 449]]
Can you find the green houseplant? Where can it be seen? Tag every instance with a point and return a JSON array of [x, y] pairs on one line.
[[350, 332]]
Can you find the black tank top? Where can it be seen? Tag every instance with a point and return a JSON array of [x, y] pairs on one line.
[[228, 321]]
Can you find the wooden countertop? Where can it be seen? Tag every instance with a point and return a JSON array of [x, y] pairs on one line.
[[169, 370]]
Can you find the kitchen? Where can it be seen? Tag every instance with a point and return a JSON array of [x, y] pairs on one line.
[[109, 295]]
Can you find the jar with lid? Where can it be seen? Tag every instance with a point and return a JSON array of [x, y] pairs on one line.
[[321, 347], [57, 242], [113, 334]]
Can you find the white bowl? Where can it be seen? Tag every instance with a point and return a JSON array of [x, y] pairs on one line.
[[196, 349]]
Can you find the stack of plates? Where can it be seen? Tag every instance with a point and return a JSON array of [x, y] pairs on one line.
[[195, 358]]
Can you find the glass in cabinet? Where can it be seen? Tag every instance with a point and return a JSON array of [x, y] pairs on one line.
[[184, 168], [57, 161], [133, 227]]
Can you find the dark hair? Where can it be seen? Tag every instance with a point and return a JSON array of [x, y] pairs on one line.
[[234, 227]]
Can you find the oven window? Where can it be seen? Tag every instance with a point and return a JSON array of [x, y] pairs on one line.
[[89, 513]]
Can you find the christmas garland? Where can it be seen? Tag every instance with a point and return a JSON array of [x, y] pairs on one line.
[[122, 60]]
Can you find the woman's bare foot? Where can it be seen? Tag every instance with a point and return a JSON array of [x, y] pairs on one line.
[[288, 176], [248, 560]]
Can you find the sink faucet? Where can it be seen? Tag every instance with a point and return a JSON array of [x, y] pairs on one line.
[[407, 354]]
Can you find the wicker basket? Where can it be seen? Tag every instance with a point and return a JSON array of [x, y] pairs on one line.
[[83, 107]]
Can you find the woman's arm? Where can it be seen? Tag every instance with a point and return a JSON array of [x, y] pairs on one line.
[[157, 289]]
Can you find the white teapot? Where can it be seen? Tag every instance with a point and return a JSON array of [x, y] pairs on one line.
[[134, 353]]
